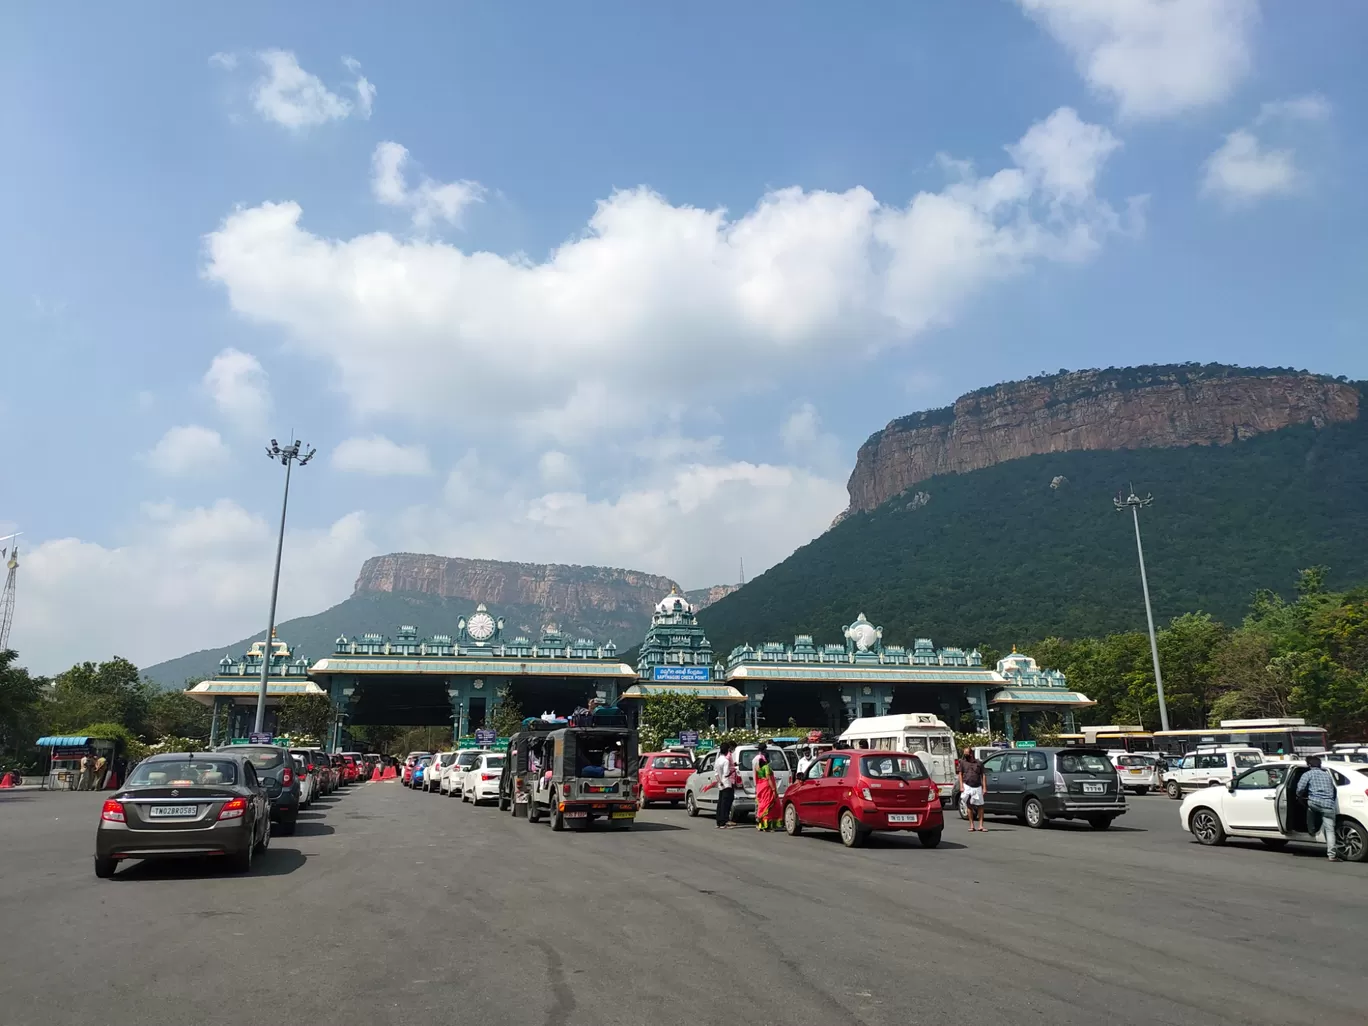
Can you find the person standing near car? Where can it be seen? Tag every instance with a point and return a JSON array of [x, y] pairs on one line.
[[1317, 789], [972, 789], [726, 787]]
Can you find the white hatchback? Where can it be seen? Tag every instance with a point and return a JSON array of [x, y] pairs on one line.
[[1138, 773], [453, 776], [435, 772], [1257, 803], [481, 783]]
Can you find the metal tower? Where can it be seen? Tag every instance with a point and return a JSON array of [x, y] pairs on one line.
[[11, 554]]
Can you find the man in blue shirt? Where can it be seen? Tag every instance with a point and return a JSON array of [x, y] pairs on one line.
[[1317, 789]]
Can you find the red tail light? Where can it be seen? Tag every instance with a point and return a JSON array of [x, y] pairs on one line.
[[311, 769], [234, 808], [112, 811], [489, 776], [286, 777]]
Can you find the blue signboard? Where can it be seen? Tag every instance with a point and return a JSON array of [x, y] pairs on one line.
[[486, 738], [688, 738], [681, 673], [260, 739]]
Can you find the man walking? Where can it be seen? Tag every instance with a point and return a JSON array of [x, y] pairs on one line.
[[83, 777], [972, 788], [726, 786], [1317, 789]]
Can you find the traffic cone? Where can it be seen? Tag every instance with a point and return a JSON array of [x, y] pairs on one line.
[[7, 780], [375, 774], [389, 773]]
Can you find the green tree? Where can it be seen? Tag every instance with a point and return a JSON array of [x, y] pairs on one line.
[[20, 697], [305, 715], [174, 714], [378, 737], [507, 716], [107, 692], [1187, 652], [665, 715]]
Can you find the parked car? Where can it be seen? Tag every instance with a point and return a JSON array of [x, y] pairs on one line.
[[1346, 753], [276, 774], [481, 780], [410, 761], [1038, 785], [322, 768], [453, 776], [420, 772], [857, 792], [1138, 773], [339, 768], [358, 763], [183, 804], [700, 789], [432, 779], [1209, 767], [663, 776], [308, 779], [1262, 803]]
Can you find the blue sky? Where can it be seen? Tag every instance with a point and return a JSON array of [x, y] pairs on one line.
[[614, 283]]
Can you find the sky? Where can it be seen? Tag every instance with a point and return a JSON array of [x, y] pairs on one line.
[[615, 283]]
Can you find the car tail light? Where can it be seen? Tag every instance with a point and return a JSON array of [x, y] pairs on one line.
[[311, 769], [286, 777], [489, 776], [866, 794], [234, 808], [1060, 785], [112, 811]]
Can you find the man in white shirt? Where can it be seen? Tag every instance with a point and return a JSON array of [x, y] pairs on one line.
[[804, 763], [726, 787]]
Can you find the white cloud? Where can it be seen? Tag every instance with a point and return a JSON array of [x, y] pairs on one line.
[[1242, 171], [428, 201], [801, 427], [184, 579], [380, 457], [365, 90], [1312, 107], [237, 383], [292, 97], [1154, 57], [652, 291], [557, 470], [226, 61], [189, 449]]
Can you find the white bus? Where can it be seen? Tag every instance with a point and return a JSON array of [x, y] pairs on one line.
[[1278, 738], [926, 735]]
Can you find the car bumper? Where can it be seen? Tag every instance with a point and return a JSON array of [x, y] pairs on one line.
[[284, 805], [585, 810], [663, 794], [117, 840], [1057, 806], [928, 818]]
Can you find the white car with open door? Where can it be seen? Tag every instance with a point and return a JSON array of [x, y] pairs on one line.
[[453, 776], [481, 781], [1260, 803]]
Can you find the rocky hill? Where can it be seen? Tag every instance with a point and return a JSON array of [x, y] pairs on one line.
[[431, 592], [1117, 408]]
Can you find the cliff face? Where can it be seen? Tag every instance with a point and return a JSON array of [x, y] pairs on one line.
[[561, 591], [1129, 408]]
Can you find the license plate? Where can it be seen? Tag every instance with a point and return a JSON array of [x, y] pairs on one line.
[[1136, 772], [1094, 788], [173, 811], [624, 815], [674, 790], [902, 817]]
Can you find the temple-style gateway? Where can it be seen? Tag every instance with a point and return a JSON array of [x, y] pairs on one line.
[[458, 679], [238, 684]]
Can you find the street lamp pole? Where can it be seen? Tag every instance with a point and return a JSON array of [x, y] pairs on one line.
[[289, 455], [1133, 503]]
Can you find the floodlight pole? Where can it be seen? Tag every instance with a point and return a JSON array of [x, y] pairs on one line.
[[289, 455], [1133, 502]]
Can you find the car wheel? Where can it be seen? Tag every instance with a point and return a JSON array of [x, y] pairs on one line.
[[1174, 790], [793, 826], [1100, 822], [929, 838], [465, 797], [265, 841], [1206, 827], [557, 817], [287, 826], [1034, 813], [853, 835], [1276, 843], [533, 813], [1142, 791], [241, 861], [503, 802], [690, 805], [1353, 840], [962, 806], [104, 867]]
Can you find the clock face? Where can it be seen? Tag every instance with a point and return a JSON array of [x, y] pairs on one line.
[[480, 626]]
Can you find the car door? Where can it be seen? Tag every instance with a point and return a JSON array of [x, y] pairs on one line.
[[1251, 805], [993, 778], [705, 784], [1009, 787], [801, 794], [834, 790]]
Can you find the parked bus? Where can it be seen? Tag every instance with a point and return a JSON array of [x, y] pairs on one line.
[[1286, 738], [924, 734], [1112, 737]]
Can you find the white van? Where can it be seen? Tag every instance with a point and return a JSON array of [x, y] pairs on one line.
[[925, 735]]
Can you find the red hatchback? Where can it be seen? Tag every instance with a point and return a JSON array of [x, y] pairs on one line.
[[858, 792], [662, 776]]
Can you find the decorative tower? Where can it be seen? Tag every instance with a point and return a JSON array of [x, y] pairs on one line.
[[675, 647]]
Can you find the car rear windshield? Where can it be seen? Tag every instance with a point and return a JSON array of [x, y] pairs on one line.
[[184, 773], [672, 762], [1244, 760], [494, 762], [776, 759], [899, 767], [1134, 760], [1084, 762], [467, 758], [264, 758]]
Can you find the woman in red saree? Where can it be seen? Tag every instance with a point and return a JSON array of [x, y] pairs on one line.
[[766, 792]]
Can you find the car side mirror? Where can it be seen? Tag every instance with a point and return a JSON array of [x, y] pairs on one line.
[[1231, 787]]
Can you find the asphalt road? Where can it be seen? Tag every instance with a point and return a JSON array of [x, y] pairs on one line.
[[393, 906]]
